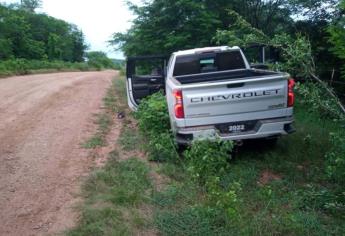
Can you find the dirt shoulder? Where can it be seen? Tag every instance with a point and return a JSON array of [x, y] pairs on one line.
[[43, 120]]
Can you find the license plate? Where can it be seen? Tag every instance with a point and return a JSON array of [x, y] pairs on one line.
[[237, 127]]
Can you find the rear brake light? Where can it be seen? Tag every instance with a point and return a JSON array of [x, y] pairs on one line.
[[179, 112], [291, 94]]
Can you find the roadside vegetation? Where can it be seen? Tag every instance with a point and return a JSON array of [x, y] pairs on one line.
[[37, 43], [23, 66]]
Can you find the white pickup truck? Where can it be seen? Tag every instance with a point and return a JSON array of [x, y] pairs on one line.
[[214, 93]]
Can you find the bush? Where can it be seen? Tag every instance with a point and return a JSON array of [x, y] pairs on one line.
[[154, 124], [207, 163], [153, 115], [207, 159]]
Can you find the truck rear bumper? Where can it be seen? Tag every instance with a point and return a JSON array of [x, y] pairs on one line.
[[263, 129]]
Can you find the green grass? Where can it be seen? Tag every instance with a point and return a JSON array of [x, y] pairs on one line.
[[130, 139], [93, 142], [104, 123], [114, 195]]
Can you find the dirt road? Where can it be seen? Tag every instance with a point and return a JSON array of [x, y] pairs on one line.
[[43, 120]]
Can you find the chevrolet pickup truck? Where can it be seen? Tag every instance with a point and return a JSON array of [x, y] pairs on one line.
[[214, 93]]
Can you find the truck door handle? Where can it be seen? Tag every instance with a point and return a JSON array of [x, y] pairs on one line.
[[153, 80], [235, 85]]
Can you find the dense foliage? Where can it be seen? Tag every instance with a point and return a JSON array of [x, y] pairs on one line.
[[337, 36], [27, 35], [164, 26]]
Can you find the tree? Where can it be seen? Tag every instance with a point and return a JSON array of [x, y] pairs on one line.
[[337, 36], [26, 34], [314, 10], [163, 26], [99, 60], [78, 44], [30, 5]]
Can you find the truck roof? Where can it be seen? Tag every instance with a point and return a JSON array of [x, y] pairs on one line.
[[205, 49]]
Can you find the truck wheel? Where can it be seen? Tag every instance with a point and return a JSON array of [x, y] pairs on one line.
[[181, 148]]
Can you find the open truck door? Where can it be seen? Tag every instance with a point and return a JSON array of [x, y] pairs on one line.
[[145, 76]]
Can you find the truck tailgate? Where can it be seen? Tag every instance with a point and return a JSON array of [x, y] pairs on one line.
[[235, 97]]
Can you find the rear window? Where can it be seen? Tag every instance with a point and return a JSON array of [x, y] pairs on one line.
[[209, 62]]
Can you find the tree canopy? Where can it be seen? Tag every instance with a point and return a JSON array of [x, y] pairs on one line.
[[164, 26], [25, 34], [30, 5]]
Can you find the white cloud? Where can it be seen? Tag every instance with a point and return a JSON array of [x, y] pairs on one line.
[[97, 19]]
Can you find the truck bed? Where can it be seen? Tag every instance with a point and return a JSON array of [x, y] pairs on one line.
[[224, 75]]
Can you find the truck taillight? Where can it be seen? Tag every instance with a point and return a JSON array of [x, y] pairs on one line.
[[291, 94], [179, 112]]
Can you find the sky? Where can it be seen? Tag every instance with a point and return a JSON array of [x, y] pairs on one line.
[[98, 19]]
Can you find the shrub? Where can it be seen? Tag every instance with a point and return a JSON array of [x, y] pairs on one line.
[[208, 162], [207, 159], [154, 124], [153, 114], [221, 199]]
